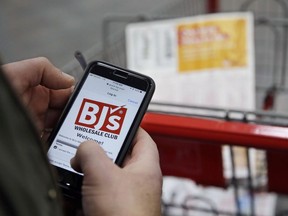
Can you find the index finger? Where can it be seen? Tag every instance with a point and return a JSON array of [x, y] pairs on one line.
[[33, 72]]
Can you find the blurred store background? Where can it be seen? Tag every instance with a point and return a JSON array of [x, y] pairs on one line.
[[56, 29], [247, 175]]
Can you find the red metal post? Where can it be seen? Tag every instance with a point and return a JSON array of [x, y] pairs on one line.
[[212, 6]]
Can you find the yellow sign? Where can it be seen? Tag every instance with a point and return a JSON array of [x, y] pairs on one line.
[[212, 44]]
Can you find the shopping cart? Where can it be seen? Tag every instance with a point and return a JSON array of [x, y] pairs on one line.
[[191, 143], [190, 146]]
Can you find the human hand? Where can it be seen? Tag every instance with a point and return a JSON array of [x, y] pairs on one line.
[[43, 88], [110, 190]]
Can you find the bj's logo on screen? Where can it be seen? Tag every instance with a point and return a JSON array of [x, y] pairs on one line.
[[98, 117]]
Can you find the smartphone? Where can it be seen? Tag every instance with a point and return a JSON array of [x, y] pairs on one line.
[[107, 106]]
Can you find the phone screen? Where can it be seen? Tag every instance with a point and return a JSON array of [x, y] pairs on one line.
[[103, 111]]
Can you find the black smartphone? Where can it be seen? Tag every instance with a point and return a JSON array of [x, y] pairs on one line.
[[107, 106]]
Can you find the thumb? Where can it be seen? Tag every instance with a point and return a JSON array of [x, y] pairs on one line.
[[92, 161]]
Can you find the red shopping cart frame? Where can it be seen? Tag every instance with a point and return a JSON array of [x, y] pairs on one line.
[[191, 146]]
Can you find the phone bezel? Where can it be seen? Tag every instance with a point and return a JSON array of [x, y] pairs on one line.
[[72, 186]]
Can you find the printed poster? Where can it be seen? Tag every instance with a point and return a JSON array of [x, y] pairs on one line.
[[205, 60]]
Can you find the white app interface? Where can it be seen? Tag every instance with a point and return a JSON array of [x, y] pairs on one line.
[[103, 111]]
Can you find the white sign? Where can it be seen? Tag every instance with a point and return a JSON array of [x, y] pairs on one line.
[[206, 60]]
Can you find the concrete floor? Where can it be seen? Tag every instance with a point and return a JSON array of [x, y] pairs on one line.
[[55, 29]]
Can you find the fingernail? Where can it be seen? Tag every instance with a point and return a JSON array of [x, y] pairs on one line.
[[72, 160], [68, 75], [72, 88]]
